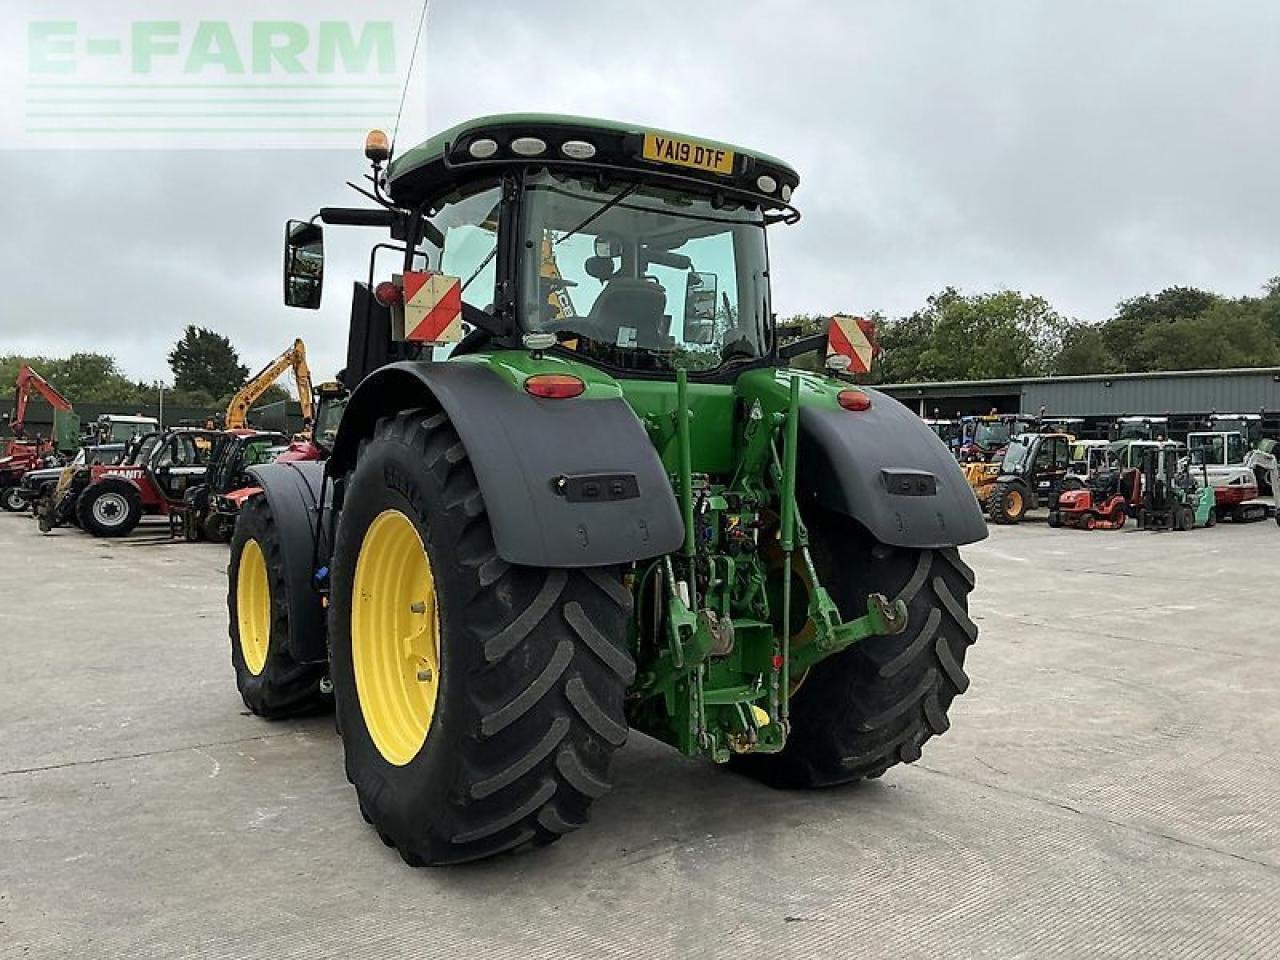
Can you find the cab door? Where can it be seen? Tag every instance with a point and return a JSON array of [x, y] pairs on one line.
[[181, 462], [1053, 461]]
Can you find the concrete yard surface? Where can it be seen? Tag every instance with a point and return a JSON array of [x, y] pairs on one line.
[[1110, 787]]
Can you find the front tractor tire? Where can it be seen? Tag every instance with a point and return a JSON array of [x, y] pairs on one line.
[[1008, 502], [479, 702], [875, 704], [271, 682], [109, 509], [10, 501]]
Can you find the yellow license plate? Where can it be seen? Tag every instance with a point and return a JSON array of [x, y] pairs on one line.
[[687, 153]]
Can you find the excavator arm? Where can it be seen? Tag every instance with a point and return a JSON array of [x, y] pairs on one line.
[[293, 358], [28, 380]]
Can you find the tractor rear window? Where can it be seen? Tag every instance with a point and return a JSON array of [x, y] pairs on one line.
[[991, 434], [643, 278], [1208, 448]]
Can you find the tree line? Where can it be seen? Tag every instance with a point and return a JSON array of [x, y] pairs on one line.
[[1009, 334], [953, 336], [205, 365]]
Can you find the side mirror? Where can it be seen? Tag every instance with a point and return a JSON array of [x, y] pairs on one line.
[[700, 292], [303, 264]]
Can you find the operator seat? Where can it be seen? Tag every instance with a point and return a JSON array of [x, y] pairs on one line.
[[626, 302]]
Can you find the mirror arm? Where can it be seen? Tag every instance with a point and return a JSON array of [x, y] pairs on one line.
[[798, 348], [398, 221]]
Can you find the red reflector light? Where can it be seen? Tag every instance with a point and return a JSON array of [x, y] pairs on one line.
[[853, 400], [554, 386], [387, 293]]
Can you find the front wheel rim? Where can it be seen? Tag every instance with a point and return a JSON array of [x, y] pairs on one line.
[[253, 607], [395, 637], [110, 509]]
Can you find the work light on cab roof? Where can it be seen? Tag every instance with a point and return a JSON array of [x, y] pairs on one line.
[[567, 141]]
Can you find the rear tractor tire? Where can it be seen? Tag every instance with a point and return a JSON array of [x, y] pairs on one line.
[[480, 703], [876, 703], [1008, 503], [271, 682], [109, 509]]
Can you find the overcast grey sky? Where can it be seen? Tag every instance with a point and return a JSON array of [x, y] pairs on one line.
[[1084, 151]]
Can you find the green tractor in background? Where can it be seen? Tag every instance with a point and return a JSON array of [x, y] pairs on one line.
[[610, 505]]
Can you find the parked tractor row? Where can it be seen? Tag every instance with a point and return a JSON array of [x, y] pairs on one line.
[[1016, 463], [126, 468]]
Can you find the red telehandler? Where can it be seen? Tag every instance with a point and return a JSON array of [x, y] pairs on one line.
[[22, 454]]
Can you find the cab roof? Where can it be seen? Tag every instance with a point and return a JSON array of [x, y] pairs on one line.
[[425, 171]]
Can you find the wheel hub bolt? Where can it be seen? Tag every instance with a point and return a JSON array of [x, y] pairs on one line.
[[418, 607]]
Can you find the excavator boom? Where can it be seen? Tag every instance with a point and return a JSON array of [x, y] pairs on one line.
[[27, 381], [292, 358]]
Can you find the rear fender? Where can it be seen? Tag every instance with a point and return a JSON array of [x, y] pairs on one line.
[[885, 468], [566, 483], [293, 493]]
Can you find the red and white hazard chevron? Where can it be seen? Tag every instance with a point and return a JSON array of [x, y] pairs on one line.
[[855, 338], [432, 307]]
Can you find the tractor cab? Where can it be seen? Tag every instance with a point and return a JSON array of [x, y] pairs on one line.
[[1139, 428], [948, 431], [984, 438], [1226, 462], [1262, 452], [1090, 457], [181, 458], [119, 428], [1248, 425], [1072, 426], [631, 251], [201, 513]]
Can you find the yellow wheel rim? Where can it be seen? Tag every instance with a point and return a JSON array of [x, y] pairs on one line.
[[253, 607], [1015, 503], [395, 637]]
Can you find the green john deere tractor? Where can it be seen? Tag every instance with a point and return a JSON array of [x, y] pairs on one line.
[[578, 491]]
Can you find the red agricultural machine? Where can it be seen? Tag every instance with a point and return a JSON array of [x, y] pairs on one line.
[[110, 500], [22, 454], [1103, 503]]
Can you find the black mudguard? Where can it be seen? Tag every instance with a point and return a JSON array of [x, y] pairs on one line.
[[293, 492], [885, 468], [566, 483]]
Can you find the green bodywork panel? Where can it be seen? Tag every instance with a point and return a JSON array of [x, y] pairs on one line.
[[1203, 501], [432, 149], [715, 669], [517, 366]]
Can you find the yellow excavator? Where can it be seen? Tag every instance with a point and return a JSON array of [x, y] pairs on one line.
[[293, 358]]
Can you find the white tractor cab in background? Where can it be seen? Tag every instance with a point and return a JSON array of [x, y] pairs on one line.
[[1225, 458], [1140, 428], [948, 431], [1072, 426], [1261, 451], [1091, 457], [117, 428]]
